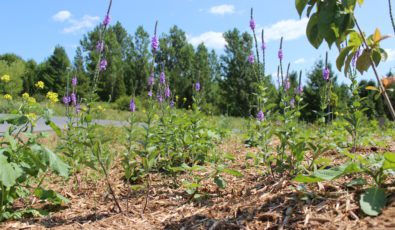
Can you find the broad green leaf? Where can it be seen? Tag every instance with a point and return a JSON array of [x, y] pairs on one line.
[[220, 182], [55, 128], [312, 31], [51, 196], [51, 159], [376, 56], [9, 172], [356, 181], [300, 5], [360, 2], [14, 119], [363, 62], [373, 201], [389, 162]]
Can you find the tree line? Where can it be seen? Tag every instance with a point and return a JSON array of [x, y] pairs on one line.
[[228, 80]]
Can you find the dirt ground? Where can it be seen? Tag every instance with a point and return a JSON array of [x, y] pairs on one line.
[[254, 201]]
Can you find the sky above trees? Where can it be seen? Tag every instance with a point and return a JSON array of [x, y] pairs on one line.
[[34, 28]]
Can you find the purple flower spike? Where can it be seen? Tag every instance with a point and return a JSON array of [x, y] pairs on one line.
[[103, 64], [73, 98], [162, 78], [260, 116], [171, 104], [299, 90], [132, 106], [292, 103], [78, 108], [167, 92], [325, 74], [154, 43], [160, 98], [252, 24], [66, 100], [251, 59], [74, 81], [106, 20], [100, 46], [287, 84], [151, 80], [197, 86], [263, 45], [150, 93], [280, 54]]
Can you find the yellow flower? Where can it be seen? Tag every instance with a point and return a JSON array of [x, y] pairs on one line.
[[177, 97], [31, 100], [53, 97], [8, 97], [100, 108], [40, 85], [185, 99], [31, 116], [25, 96], [5, 78]]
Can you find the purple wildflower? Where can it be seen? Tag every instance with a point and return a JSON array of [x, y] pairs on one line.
[[150, 93], [74, 81], [100, 46], [280, 54], [103, 64], [252, 24], [260, 116], [66, 100], [299, 90], [154, 43], [325, 73], [167, 92], [287, 84], [162, 78], [197, 86], [132, 106], [160, 98], [106, 20], [263, 45], [73, 98], [251, 59], [78, 108], [171, 104], [151, 80], [292, 103]]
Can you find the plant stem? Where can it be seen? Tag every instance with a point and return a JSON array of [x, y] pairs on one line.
[[380, 84], [147, 194], [392, 18]]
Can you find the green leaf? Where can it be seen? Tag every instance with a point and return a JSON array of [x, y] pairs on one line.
[[371, 88], [300, 5], [389, 162], [360, 2], [55, 128], [9, 172], [312, 31], [51, 159], [232, 172], [363, 62], [14, 119], [342, 56], [51, 196], [356, 182], [307, 179], [376, 56], [220, 182], [373, 201]]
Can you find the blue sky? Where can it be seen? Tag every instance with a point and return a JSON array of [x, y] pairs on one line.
[[32, 29]]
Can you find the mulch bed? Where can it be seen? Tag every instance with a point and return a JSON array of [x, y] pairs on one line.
[[255, 201]]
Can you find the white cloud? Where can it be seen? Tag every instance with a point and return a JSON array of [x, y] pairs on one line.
[[222, 9], [300, 61], [289, 29], [62, 16], [213, 40], [391, 54], [87, 22]]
